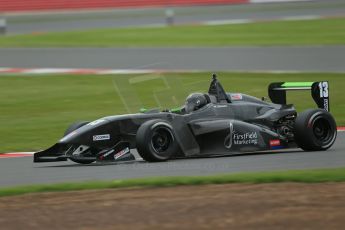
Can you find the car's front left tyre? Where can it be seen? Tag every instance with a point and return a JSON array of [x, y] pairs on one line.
[[155, 141]]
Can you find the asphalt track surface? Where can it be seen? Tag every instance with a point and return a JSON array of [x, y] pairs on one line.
[[308, 59], [38, 22], [20, 171]]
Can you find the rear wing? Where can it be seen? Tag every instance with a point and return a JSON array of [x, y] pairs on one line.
[[319, 92]]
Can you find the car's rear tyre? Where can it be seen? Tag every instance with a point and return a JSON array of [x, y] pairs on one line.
[[70, 129], [155, 141], [315, 130]]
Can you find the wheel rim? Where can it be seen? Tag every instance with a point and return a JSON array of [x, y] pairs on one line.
[[161, 140], [322, 131]]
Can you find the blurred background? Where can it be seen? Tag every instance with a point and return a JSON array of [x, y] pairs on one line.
[[59, 15]]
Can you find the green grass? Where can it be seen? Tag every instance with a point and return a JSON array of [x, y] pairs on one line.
[[304, 32], [302, 176], [35, 110]]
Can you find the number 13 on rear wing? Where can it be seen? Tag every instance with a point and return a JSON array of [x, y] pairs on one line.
[[319, 92]]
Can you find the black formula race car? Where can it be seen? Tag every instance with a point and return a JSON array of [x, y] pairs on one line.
[[209, 124]]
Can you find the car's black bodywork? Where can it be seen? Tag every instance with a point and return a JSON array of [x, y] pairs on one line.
[[230, 123]]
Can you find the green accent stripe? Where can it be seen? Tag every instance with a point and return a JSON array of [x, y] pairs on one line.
[[176, 110], [297, 84], [143, 110]]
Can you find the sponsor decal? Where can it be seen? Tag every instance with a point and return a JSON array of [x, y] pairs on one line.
[[108, 153], [236, 96], [325, 104], [101, 137], [249, 138], [121, 153], [275, 144], [234, 138], [96, 122]]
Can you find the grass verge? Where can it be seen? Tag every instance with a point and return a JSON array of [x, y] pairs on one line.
[[303, 32], [302, 176], [36, 110]]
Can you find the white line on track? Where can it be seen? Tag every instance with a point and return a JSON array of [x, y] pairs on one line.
[[16, 155], [26, 153]]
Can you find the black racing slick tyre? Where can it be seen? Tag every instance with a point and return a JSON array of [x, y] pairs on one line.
[[70, 129], [315, 130], [155, 141]]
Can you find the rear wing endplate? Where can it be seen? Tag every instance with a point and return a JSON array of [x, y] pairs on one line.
[[319, 92]]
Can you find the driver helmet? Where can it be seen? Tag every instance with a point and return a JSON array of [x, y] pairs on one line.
[[196, 101]]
